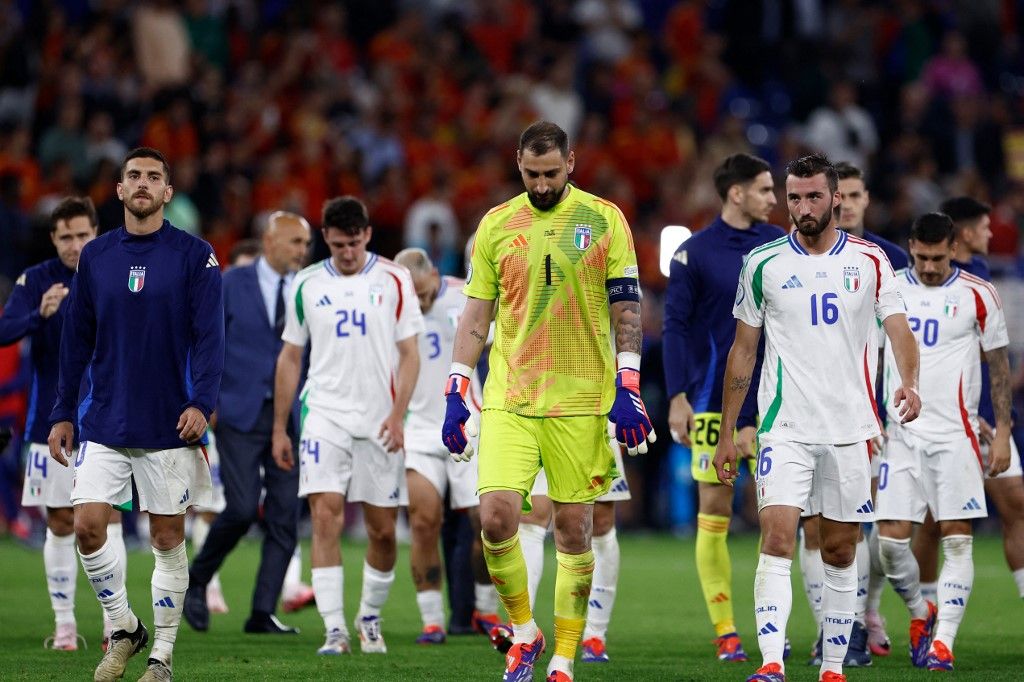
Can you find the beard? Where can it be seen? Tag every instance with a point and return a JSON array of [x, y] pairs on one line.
[[547, 201], [809, 227], [142, 214]]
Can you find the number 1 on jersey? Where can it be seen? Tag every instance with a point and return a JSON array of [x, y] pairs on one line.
[[829, 310]]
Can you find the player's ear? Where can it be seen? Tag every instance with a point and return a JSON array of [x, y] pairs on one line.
[[168, 193], [519, 160], [120, 192], [570, 163]]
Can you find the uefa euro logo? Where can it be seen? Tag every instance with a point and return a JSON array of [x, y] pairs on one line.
[[136, 279]]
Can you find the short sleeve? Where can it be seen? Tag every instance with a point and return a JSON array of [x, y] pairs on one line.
[[888, 298], [482, 278], [296, 328], [750, 305], [410, 318], [621, 253], [990, 320]]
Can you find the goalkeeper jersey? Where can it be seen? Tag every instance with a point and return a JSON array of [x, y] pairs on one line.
[[352, 323], [552, 273]]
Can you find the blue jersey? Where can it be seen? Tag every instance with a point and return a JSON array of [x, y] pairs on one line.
[[145, 321], [21, 319], [978, 267], [699, 327], [898, 258]]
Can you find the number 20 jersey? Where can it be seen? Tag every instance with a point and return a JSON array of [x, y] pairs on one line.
[[819, 317], [352, 323], [950, 321]]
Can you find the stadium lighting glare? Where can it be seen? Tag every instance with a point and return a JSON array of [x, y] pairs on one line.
[[671, 237]]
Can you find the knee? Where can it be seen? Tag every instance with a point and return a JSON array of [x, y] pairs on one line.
[[604, 518], [381, 535], [838, 553], [498, 526], [425, 527], [166, 538], [61, 523], [90, 535]]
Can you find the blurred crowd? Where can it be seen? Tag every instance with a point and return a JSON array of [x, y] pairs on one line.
[[416, 106]]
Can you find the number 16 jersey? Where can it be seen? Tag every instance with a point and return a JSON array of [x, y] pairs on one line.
[[819, 317], [352, 323]]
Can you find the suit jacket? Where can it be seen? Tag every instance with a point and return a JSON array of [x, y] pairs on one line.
[[250, 352]]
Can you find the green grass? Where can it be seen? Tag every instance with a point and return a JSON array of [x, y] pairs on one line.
[[660, 629]]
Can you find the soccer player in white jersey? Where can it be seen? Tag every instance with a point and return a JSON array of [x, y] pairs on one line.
[[359, 316], [430, 471], [816, 293], [935, 462]]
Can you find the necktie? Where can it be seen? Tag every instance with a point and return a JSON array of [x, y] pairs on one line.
[[279, 309]]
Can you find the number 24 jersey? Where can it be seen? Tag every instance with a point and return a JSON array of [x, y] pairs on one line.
[[819, 317]]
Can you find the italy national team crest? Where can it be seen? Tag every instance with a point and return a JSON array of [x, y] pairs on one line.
[[952, 305], [582, 238], [136, 279], [851, 279], [376, 296]]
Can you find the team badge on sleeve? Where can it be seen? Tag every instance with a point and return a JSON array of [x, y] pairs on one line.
[[952, 305], [136, 279], [851, 279], [582, 238]]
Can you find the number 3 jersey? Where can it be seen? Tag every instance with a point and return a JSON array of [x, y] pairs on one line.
[[819, 317], [352, 323], [950, 322]]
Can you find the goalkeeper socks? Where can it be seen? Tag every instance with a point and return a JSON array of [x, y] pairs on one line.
[[431, 608], [863, 564], [573, 579], [902, 570], [327, 586], [714, 568], [606, 578], [930, 591], [169, 582], [838, 600], [876, 574], [773, 600], [61, 574], [485, 598], [531, 539], [955, 582], [106, 575], [1018, 577], [376, 586], [813, 572], [507, 567]]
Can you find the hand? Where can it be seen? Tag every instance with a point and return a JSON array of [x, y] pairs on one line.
[[745, 442], [62, 435], [633, 427], [52, 299], [725, 461], [392, 433], [191, 425], [998, 456], [680, 420], [909, 403], [281, 450], [459, 426], [877, 444], [986, 434]]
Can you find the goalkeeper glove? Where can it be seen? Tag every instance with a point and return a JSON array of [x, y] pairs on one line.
[[459, 425], [633, 429]]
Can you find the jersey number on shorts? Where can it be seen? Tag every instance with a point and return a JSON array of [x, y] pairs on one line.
[[39, 461], [929, 329], [310, 447], [354, 318], [435, 345], [829, 310], [764, 462], [883, 475], [707, 431]]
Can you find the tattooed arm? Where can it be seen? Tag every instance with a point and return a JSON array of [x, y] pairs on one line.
[[629, 335], [471, 334], [738, 372], [999, 371]]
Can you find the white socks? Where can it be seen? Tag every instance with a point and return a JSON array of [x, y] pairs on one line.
[[327, 586], [115, 536], [876, 577], [813, 572], [606, 578], [930, 591], [531, 539], [169, 582], [200, 529], [61, 574], [1018, 577], [838, 600], [863, 564], [485, 598], [376, 586], [773, 600], [431, 606], [902, 570], [955, 582], [106, 575], [293, 574]]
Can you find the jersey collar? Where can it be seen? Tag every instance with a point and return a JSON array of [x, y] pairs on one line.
[[836, 248], [953, 276]]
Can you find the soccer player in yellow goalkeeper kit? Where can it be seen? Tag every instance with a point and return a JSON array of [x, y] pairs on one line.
[[556, 265]]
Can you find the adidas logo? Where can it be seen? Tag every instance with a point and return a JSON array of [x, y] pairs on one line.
[[719, 598], [184, 498], [58, 595], [959, 601], [861, 592], [793, 283], [105, 594], [866, 508], [394, 495], [768, 629], [971, 506], [621, 487], [838, 640], [595, 604], [323, 301], [165, 602], [519, 241], [211, 262]]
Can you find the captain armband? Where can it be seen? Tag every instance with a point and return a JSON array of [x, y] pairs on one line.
[[622, 289]]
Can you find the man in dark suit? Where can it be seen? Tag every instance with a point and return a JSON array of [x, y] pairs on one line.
[[254, 305]]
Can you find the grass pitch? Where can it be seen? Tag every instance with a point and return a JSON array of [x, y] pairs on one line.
[[660, 629]]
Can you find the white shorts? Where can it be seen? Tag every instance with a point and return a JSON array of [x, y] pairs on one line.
[[217, 501], [1015, 467], [618, 491], [332, 461], [831, 480], [47, 483], [444, 473], [918, 475], [169, 481]]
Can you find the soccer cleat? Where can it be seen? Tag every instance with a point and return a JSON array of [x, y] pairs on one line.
[[940, 658], [558, 676], [336, 644], [484, 622], [215, 599], [501, 638], [770, 672], [156, 671], [432, 634], [520, 659], [730, 649], [296, 596], [371, 641], [123, 645], [815, 658], [65, 638], [108, 630], [831, 676], [857, 655], [594, 651], [878, 638], [921, 636]]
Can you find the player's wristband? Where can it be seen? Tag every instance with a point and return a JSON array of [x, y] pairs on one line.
[[626, 360], [458, 379]]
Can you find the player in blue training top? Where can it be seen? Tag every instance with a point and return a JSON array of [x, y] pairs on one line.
[[699, 330], [35, 311], [145, 322]]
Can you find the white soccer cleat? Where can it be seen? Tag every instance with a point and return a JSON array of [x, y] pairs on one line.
[[371, 641], [123, 645], [65, 638], [215, 599], [336, 644]]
